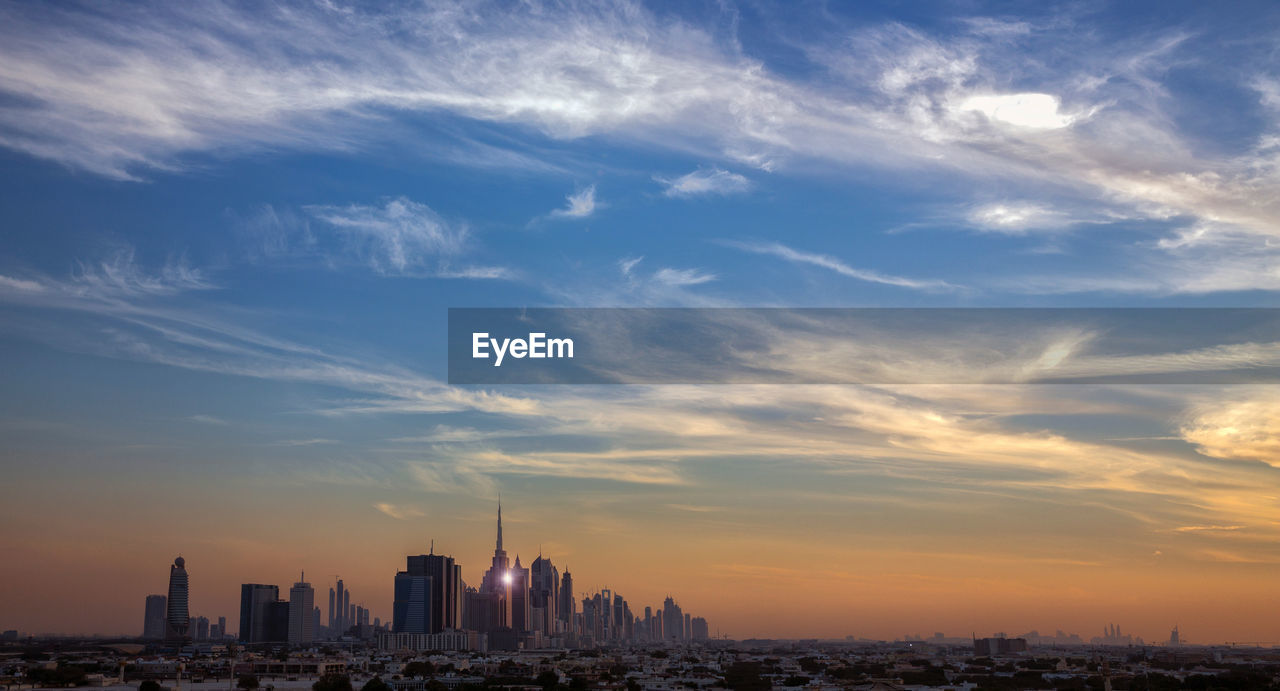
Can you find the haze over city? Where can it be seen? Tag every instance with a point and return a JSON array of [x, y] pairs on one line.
[[231, 235]]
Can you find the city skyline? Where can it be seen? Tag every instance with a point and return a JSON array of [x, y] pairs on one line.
[[290, 629], [231, 235]]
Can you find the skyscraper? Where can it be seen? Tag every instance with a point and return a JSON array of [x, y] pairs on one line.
[[301, 612], [337, 626], [154, 618], [518, 597], [495, 578], [255, 602], [544, 592], [497, 582], [427, 595], [672, 620], [332, 623], [177, 618], [568, 605]]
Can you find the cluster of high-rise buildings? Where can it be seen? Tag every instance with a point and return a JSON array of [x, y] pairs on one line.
[[168, 617], [518, 606], [513, 607]]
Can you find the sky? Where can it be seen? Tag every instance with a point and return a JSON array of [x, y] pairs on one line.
[[231, 234]]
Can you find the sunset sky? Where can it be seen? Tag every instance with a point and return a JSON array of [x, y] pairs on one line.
[[229, 235]]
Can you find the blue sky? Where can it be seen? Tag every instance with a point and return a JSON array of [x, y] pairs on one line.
[[231, 232]]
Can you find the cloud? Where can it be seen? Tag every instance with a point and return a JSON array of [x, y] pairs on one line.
[[400, 513], [399, 237], [709, 181], [831, 263], [627, 265], [1016, 218], [478, 272], [1097, 121], [946, 441], [208, 420], [118, 275], [1030, 110], [20, 284], [1241, 429], [580, 204], [1209, 528], [307, 442], [682, 277]]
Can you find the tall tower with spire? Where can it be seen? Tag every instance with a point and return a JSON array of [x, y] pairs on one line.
[[497, 578]]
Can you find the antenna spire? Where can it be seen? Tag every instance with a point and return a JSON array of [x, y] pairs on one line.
[[499, 522]]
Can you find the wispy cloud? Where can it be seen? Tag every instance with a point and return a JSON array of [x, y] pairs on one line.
[[118, 275], [1017, 218], [888, 96], [708, 181], [400, 513], [682, 277], [833, 264], [20, 284], [1244, 428], [580, 204], [399, 236], [626, 266], [208, 420], [318, 441]]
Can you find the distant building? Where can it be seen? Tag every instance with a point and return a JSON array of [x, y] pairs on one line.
[[986, 647], [177, 616], [518, 598], [445, 640], [200, 628], [255, 601], [332, 623], [335, 618], [672, 621], [699, 630], [484, 611], [428, 597], [567, 606], [277, 621], [544, 596], [155, 616], [301, 613]]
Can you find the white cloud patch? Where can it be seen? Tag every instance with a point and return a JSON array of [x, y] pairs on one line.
[[1016, 218], [1245, 428], [399, 237], [709, 181], [137, 89], [580, 204], [833, 264], [626, 266], [400, 513], [20, 284], [1030, 110], [682, 277], [119, 275], [208, 420]]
